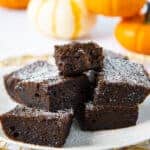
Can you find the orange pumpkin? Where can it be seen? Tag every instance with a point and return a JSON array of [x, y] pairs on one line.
[[16, 4], [124, 8], [134, 33]]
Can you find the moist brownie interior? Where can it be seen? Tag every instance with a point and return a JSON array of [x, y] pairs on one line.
[[40, 85], [39, 70], [101, 117], [76, 58], [36, 126]]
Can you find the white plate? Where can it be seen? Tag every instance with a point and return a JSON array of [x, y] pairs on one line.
[[87, 140]]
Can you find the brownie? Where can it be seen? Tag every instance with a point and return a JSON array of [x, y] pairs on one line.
[[102, 117], [121, 82], [39, 85], [34, 126], [76, 58]]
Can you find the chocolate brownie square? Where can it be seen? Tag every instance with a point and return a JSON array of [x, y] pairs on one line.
[[76, 58], [39, 85], [102, 117], [121, 82], [34, 126]]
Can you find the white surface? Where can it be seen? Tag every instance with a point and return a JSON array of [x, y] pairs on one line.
[[17, 35], [89, 140]]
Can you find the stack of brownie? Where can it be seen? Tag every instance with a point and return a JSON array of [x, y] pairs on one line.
[[47, 103], [118, 88], [102, 90], [121, 87]]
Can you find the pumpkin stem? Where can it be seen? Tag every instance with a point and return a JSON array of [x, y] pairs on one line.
[[147, 15]]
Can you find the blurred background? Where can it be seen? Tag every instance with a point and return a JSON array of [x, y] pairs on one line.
[[35, 26]]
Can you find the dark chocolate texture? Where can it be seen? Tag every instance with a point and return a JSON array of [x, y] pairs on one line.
[[34, 126]]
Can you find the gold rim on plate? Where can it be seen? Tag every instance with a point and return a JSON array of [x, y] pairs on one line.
[[20, 60]]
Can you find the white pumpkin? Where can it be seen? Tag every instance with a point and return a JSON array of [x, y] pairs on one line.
[[67, 19]]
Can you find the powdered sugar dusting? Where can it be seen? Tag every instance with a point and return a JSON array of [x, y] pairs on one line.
[[24, 111], [89, 105], [38, 72], [121, 70]]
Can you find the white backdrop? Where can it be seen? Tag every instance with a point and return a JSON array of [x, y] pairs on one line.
[[17, 36]]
